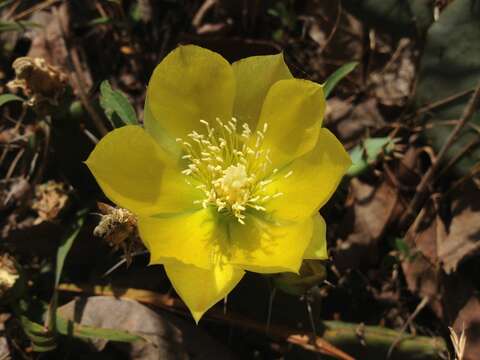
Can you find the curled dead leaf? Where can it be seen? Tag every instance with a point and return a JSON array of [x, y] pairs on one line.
[[40, 81]]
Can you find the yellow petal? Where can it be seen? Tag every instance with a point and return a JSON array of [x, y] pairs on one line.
[[136, 174], [254, 77], [267, 247], [190, 238], [317, 249], [190, 84], [201, 289], [293, 111], [155, 129], [309, 181]]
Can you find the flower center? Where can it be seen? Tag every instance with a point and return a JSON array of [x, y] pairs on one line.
[[234, 184], [232, 168]]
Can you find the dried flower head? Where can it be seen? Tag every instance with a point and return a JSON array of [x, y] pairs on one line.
[[41, 82]]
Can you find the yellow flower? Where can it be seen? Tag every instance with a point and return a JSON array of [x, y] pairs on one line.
[[228, 174]]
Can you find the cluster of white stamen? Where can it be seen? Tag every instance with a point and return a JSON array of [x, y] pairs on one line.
[[230, 166]]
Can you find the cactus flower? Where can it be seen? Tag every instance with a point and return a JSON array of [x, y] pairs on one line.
[[228, 173]]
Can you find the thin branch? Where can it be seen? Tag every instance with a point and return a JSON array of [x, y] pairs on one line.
[[334, 29], [74, 65], [419, 308], [419, 196]]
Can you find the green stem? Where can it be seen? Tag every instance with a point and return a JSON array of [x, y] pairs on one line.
[[373, 342]]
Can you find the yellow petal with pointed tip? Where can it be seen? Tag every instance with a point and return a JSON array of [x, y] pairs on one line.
[[190, 238], [293, 111], [201, 289], [317, 249], [135, 173], [266, 247], [254, 77], [308, 183], [190, 84]]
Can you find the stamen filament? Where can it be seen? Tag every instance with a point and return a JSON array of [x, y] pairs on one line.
[[233, 175]]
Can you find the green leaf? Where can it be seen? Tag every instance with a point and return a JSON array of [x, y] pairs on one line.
[[359, 162], [368, 152], [116, 106], [70, 328], [135, 12], [5, 98], [450, 67], [17, 25], [62, 253], [338, 75], [42, 339], [100, 21], [402, 246], [375, 146], [67, 243]]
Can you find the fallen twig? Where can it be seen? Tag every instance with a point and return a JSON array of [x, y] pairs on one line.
[[199, 15], [419, 308], [334, 29]]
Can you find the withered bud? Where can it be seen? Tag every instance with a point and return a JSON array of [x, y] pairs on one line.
[[38, 80], [50, 199]]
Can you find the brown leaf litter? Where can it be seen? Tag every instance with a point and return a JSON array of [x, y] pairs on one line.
[[439, 249], [51, 198]]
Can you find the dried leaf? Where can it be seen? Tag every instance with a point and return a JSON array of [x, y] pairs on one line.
[[370, 212], [393, 84], [167, 337], [448, 244], [352, 122]]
